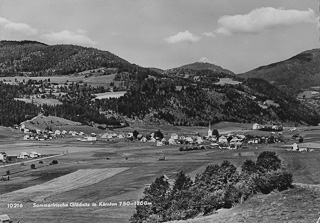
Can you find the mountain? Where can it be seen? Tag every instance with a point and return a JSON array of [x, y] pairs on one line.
[[200, 72], [38, 59], [292, 75], [205, 66], [186, 95]]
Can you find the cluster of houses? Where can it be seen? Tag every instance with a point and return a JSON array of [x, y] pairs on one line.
[[257, 126], [41, 135], [25, 155], [296, 148]]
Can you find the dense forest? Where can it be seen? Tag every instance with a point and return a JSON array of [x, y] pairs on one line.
[[37, 59]]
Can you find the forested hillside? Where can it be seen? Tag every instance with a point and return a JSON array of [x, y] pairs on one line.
[[188, 95], [291, 75], [37, 59]]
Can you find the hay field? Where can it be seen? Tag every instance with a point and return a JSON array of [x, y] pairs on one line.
[[110, 95], [77, 179], [40, 101]]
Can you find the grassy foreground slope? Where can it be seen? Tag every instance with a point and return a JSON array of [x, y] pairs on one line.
[[297, 205]]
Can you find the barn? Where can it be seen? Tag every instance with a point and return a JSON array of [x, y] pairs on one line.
[[5, 218]]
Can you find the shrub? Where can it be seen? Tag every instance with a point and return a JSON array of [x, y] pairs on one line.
[[41, 162], [268, 161], [8, 172], [54, 162], [33, 166]]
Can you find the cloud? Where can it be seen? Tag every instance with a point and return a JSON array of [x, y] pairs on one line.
[[23, 28], [264, 18], [185, 36], [209, 34], [68, 37]]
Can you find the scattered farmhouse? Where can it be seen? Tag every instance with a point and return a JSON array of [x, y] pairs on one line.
[[5, 219], [3, 156], [23, 155]]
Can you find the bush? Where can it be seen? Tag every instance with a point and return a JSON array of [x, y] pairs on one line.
[[268, 161], [8, 172], [41, 162], [54, 162], [33, 166]]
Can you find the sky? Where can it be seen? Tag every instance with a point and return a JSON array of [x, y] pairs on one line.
[[239, 35]]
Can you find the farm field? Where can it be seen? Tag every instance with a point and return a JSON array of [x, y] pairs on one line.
[[226, 80], [110, 95], [118, 171], [41, 101]]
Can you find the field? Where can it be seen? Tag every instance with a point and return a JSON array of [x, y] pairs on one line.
[[110, 95], [227, 80], [118, 171], [41, 101]]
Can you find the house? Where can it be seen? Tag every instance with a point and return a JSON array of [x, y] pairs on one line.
[[5, 219], [64, 132], [143, 139], [57, 132], [26, 130], [130, 135], [23, 155], [235, 145], [91, 138], [199, 140], [121, 136], [81, 133], [295, 147], [214, 145], [26, 137], [189, 139], [159, 144], [223, 139], [174, 136], [256, 126], [3, 156], [172, 141], [34, 155]]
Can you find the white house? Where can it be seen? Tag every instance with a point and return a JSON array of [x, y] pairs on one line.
[[57, 132], [174, 136], [189, 139], [26, 137], [223, 139], [159, 144], [91, 138], [64, 132], [143, 139], [172, 141], [295, 147], [81, 133], [256, 126], [4, 218], [3, 156], [34, 155], [23, 155], [121, 136]]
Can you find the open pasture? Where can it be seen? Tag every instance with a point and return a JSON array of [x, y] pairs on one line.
[[40, 101]]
